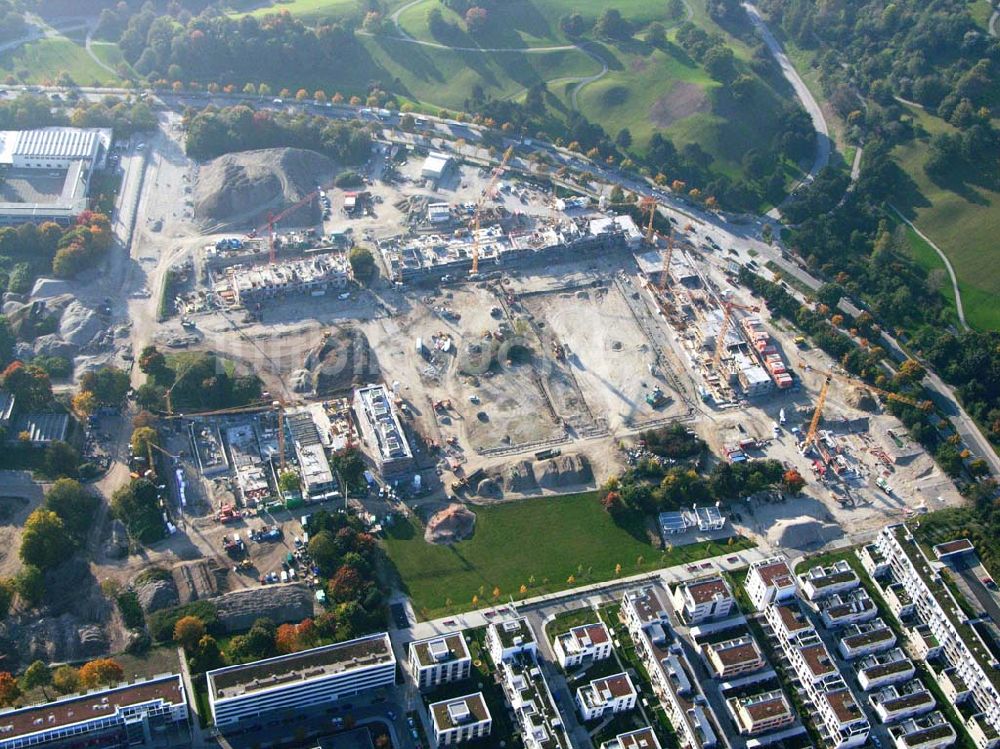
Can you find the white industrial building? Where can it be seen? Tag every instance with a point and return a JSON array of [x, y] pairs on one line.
[[75, 151], [435, 166], [292, 683]]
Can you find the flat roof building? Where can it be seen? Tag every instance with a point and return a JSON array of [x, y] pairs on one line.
[[318, 481], [881, 669], [435, 165], [538, 720], [851, 607], [769, 581], [702, 599], [641, 738], [508, 637], [382, 430], [245, 693], [868, 637], [461, 719], [819, 582], [587, 643], [732, 658], [608, 695], [759, 713], [439, 660], [931, 731], [312, 275], [151, 713]]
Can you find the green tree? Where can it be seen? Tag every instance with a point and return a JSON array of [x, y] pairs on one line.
[[73, 504], [362, 263], [45, 542], [108, 384], [188, 631], [137, 505], [289, 482], [30, 584], [66, 680], [37, 675], [61, 459]]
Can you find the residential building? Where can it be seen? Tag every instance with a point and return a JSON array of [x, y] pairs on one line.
[[461, 719], [931, 731], [954, 689], [759, 713], [704, 519], [318, 482], [863, 639], [946, 631], [584, 644], [508, 637], [873, 560], [669, 672], [312, 275], [843, 720], [243, 694], [819, 582], [382, 431], [606, 696], [731, 658], [952, 549], [787, 619], [150, 713], [850, 607], [769, 581], [898, 600], [702, 599], [901, 701], [535, 713], [438, 660], [881, 669], [641, 738]]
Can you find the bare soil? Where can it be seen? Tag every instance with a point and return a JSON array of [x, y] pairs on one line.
[[683, 100]]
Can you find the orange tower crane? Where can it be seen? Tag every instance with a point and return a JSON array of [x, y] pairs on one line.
[[720, 338], [487, 192], [273, 219]]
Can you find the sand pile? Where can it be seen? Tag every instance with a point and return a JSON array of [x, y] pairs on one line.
[[566, 470], [519, 477], [341, 362], [453, 523], [803, 533], [239, 187]]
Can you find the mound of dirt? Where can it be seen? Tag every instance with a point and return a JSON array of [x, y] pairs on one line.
[[489, 489], [862, 400], [157, 594], [239, 186], [683, 100], [565, 470], [453, 523], [342, 362], [51, 639], [519, 477], [803, 533], [279, 603]]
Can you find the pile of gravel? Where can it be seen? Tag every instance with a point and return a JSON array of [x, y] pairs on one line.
[[564, 471], [280, 603]]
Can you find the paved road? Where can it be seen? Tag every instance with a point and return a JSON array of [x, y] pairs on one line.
[[801, 91]]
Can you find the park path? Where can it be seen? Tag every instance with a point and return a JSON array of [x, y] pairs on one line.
[[93, 56], [947, 265]]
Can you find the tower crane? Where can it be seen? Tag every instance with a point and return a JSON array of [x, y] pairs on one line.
[[487, 192], [273, 219], [648, 205], [821, 401], [720, 337], [665, 273]]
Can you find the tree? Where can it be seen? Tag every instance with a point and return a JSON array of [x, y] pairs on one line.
[[286, 639], [101, 672], [624, 138], [301, 95], [45, 541], [61, 459], [108, 384], [362, 263], [611, 25], [73, 504], [476, 19], [572, 25], [142, 439], [30, 584], [206, 656], [793, 481], [9, 690], [137, 505], [84, 404], [261, 637], [289, 482], [37, 675], [28, 384], [188, 631], [150, 396], [345, 585], [66, 679], [657, 34]]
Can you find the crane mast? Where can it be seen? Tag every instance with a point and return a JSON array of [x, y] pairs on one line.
[[487, 192]]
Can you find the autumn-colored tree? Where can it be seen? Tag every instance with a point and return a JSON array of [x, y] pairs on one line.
[[101, 672], [523, 589], [301, 95], [319, 95], [345, 585], [307, 633], [188, 630], [66, 679], [496, 592], [84, 403], [338, 98], [9, 689], [793, 481], [286, 639]]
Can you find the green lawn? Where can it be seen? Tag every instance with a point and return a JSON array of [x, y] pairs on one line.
[[43, 60], [546, 545], [964, 222], [110, 54], [309, 11]]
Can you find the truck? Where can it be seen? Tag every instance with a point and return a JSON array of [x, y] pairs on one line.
[[655, 397]]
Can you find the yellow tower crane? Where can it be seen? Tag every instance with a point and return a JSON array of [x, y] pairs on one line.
[[720, 338]]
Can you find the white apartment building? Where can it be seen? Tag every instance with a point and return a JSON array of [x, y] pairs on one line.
[[958, 643], [859, 640], [702, 599], [606, 696], [901, 701], [851, 607], [382, 430], [641, 738], [787, 619], [759, 713], [151, 713], [882, 669], [461, 719], [732, 658], [243, 694], [770, 581], [587, 643], [819, 582], [439, 660], [931, 731], [843, 720], [527, 692], [508, 637]]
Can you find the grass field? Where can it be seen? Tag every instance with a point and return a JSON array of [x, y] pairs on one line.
[[964, 222], [309, 11], [572, 541], [110, 54], [43, 60]]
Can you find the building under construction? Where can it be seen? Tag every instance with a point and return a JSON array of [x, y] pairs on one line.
[[310, 275], [318, 481], [382, 430]]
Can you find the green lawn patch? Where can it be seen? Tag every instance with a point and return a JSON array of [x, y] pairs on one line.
[[963, 222], [43, 60], [111, 54], [546, 544], [307, 11]]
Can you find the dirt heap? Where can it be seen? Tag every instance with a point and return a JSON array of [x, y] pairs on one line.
[[200, 579], [565, 470], [279, 603], [803, 533], [157, 593], [519, 477], [241, 186], [453, 523], [342, 361]]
